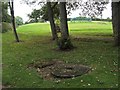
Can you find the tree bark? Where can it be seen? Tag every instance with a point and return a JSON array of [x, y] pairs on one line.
[[63, 20], [11, 5], [64, 43], [51, 19], [116, 22]]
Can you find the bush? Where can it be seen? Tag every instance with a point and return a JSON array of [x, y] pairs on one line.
[[6, 27], [64, 44]]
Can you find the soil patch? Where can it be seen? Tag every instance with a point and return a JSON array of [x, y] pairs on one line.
[[58, 69]]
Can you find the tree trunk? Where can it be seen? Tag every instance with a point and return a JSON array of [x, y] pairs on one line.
[[51, 19], [116, 22], [13, 20], [63, 20], [64, 43]]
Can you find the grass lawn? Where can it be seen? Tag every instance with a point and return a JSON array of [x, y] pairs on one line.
[[95, 49]]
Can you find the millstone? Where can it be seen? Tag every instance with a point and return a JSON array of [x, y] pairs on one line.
[[69, 71]]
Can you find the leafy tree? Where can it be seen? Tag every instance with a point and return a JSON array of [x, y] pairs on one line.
[[43, 13], [35, 15], [18, 20], [93, 8]]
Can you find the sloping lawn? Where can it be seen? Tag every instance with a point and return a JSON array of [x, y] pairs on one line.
[[94, 48]]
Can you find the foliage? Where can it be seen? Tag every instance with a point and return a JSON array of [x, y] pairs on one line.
[[42, 14], [88, 8], [45, 11], [35, 15], [18, 20], [5, 16], [6, 27], [93, 9]]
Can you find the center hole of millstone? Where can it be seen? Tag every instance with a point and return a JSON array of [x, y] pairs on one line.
[[69, 68]]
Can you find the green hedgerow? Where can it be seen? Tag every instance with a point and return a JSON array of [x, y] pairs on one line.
[[6, 27]]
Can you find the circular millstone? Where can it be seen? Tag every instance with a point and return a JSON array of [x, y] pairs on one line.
[[68, 71]]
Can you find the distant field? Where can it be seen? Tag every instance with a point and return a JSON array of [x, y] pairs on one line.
[[83, 28], [94, 48]]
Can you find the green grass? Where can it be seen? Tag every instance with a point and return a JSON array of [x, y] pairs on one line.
[[94, 48]]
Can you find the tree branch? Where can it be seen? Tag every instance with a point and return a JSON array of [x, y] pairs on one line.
[[54, 5]]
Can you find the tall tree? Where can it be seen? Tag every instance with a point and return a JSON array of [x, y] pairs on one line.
[[11, 6], [51, 19], [64, 43], [63, 20], [116, 22]]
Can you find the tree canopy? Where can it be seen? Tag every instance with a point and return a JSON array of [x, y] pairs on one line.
[[18, 20]]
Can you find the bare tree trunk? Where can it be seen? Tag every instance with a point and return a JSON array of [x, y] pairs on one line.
[[13, 19], [51, 19], [63, 20], [64, 43], [116, 22]]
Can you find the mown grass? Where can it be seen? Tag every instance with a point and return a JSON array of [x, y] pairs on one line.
[[94, 48]]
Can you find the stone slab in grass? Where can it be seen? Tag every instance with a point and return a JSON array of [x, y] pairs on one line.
[[69, 70], [58, 69]]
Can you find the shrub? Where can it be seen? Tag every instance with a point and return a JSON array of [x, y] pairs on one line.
[[6, 27]]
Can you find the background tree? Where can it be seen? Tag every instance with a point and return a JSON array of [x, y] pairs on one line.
[[47, 14], [5, 15], [6, 26], [35, 15], [18, 20], [116, 22], [11, 6], [42, 13]]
